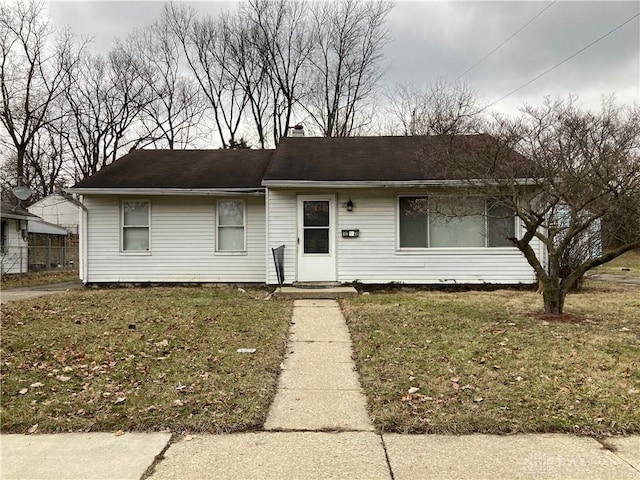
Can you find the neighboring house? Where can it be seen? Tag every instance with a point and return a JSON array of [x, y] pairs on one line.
[[342, 207], [58, 209], [14, 249]]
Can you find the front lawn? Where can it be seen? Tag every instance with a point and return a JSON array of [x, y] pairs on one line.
[[487, 362], [141, 359]]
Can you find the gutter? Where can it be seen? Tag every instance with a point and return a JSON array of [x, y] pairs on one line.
[[390, 183], [170, 191]]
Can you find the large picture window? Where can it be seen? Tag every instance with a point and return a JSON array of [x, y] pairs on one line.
[[454, 222], [231, 226], [136, 216]]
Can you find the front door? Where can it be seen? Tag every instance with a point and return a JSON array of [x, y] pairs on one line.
[[316, 238]]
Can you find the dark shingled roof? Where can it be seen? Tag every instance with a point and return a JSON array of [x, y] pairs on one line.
[[183, 169], [315, 159], [380, 159], [7, 210]]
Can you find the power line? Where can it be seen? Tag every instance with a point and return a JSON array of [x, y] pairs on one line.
[[563, 61], [499, 46]]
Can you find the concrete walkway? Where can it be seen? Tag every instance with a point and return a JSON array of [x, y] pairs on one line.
[[317, 428], [319, 387]]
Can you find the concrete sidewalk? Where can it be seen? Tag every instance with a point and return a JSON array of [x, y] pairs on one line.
[[79, 456], [318, 428], [317, 455]]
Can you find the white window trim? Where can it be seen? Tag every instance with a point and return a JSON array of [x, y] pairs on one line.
[[457, 250], [122, 227], [218, 226]]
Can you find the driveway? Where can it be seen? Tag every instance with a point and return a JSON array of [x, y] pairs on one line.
[[621, 279], [25, 293]]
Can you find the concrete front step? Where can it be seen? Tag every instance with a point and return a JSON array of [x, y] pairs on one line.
[[316, 292]]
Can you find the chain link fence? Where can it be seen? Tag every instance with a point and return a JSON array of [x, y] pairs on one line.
[[49, 256]]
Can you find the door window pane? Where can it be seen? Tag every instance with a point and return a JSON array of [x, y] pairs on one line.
[[316, 213], [316, 240]]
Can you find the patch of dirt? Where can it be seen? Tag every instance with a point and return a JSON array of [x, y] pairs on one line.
[[562, 318]]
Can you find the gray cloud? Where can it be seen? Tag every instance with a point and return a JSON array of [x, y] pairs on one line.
[[433, 39]]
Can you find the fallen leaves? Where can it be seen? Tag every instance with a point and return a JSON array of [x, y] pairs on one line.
[[490, 370], [96, 374]]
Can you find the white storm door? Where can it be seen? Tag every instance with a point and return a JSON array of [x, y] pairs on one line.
[[316, 238]]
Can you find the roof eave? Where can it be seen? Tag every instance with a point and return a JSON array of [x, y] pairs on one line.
[[169, 191], [390, 183]]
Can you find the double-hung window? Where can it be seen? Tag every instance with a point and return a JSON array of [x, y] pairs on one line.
[[136, 223], [231, 228], [454, 222]]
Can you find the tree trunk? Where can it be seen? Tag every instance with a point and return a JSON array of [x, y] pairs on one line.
[[553, 296], [20, 168]]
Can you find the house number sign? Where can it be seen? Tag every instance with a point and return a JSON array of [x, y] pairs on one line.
[[350, 233]]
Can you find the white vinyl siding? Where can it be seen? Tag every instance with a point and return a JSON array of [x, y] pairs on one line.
[[183, 233], [374, 257], [282, 231], [14, 257]]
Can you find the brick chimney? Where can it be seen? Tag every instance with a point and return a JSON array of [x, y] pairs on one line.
[[297, 131]]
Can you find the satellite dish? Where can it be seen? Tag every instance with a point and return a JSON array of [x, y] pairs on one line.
[[22, 193]]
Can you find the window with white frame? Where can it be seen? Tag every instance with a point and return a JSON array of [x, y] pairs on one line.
[[454, 222], [230, 221], [135, 219]]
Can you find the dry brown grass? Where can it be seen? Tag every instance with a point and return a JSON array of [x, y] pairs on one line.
[[141, 359], [488, 362], [38, 278], [626, 264]]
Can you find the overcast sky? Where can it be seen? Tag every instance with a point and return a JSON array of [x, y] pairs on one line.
[[432, 40]]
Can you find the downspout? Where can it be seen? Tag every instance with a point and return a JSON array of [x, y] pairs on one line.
[[84, 241], [266, 235]]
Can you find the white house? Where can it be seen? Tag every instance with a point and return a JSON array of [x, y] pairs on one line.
[[343, 208], [58, 209], [14, 251]]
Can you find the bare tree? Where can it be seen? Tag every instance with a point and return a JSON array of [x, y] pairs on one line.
[[33, 72], [205, 44], [349, 36], [104, 101], [246, 63], [580, 168], [173, 114], [284, 41], [440, 108], [46, 157]]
